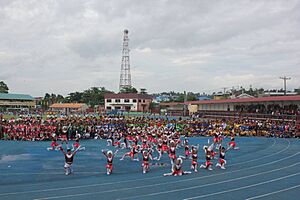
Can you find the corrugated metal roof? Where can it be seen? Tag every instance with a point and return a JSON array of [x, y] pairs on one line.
[[249, 100], [67, 105], [10, 96]]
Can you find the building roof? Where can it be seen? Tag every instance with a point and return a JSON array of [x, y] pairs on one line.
[[201, 98], [249, 100], [10, 96], [67, 105], [243, 96], [127, 96], [170, 103]]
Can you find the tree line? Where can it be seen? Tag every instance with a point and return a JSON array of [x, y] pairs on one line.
[[92, 96]]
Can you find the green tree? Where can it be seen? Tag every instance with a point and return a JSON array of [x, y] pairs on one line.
[[60, 98], [93, 96], [297, 90], [3, 87], [75, 97], [191, 98], [128, 89]]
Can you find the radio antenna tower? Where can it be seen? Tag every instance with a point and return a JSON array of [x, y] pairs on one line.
[[125, 76]]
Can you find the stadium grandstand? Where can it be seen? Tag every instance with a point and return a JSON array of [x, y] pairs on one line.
[[16, 102], [276, 107]]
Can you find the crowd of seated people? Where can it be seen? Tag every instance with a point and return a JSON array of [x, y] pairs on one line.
[[35, 128], [273, 109]]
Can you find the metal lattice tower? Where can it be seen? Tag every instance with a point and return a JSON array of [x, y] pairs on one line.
[[125, 76]]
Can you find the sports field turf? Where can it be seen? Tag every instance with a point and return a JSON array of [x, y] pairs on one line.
[[263, 168]]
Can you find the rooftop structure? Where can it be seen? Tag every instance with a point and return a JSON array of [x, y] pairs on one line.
[[16, 102]]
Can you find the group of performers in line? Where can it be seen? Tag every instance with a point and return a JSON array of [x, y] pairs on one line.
[[148, 143]]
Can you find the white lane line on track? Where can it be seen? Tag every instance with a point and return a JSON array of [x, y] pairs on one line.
[[128, 181], [244, 187], [197, 178], [59, 173], [271, 193], [266, 156], [210, 184]]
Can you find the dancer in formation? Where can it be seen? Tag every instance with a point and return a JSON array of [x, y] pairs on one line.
[[69, 156], [146, 156], [76, 145], [222, 160], [194, 154], [172, 152], [232, 145], [177, 169], [186, 148], [132, 153], [208, 164], [110, 157], [54, 146]]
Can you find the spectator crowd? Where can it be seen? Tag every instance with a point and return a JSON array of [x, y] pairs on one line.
[[36, 128]]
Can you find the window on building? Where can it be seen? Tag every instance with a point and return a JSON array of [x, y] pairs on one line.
[[140, 100], [108, 108], [127, 108], [126, 100], [118, 101], [144, 101], [118, 107], [108, 100], [134, 100]]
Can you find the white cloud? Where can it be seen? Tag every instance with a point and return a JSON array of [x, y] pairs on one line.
[[55, 46]]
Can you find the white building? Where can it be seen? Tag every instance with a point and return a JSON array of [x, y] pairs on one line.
[[128, 102]]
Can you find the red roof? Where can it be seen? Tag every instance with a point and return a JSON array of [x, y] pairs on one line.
[[249, 100], [127, 96]]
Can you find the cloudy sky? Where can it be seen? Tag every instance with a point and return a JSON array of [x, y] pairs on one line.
[[200, 46]]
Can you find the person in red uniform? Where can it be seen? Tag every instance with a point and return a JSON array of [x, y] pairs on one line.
[[146, 158], [76, 145], [54, 146], [172, 152], [69, 156], [208, 164], [194, 154], [132, 153], [165, 143], [177, 169], [186, 148], [110, 157], [232, 145], [222, 160], [159, 148]]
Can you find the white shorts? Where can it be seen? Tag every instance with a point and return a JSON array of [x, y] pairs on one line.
[[67, 165]]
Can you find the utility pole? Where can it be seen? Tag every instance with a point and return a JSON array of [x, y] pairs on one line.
[[184, 103], [284, 78], [224, 90]]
